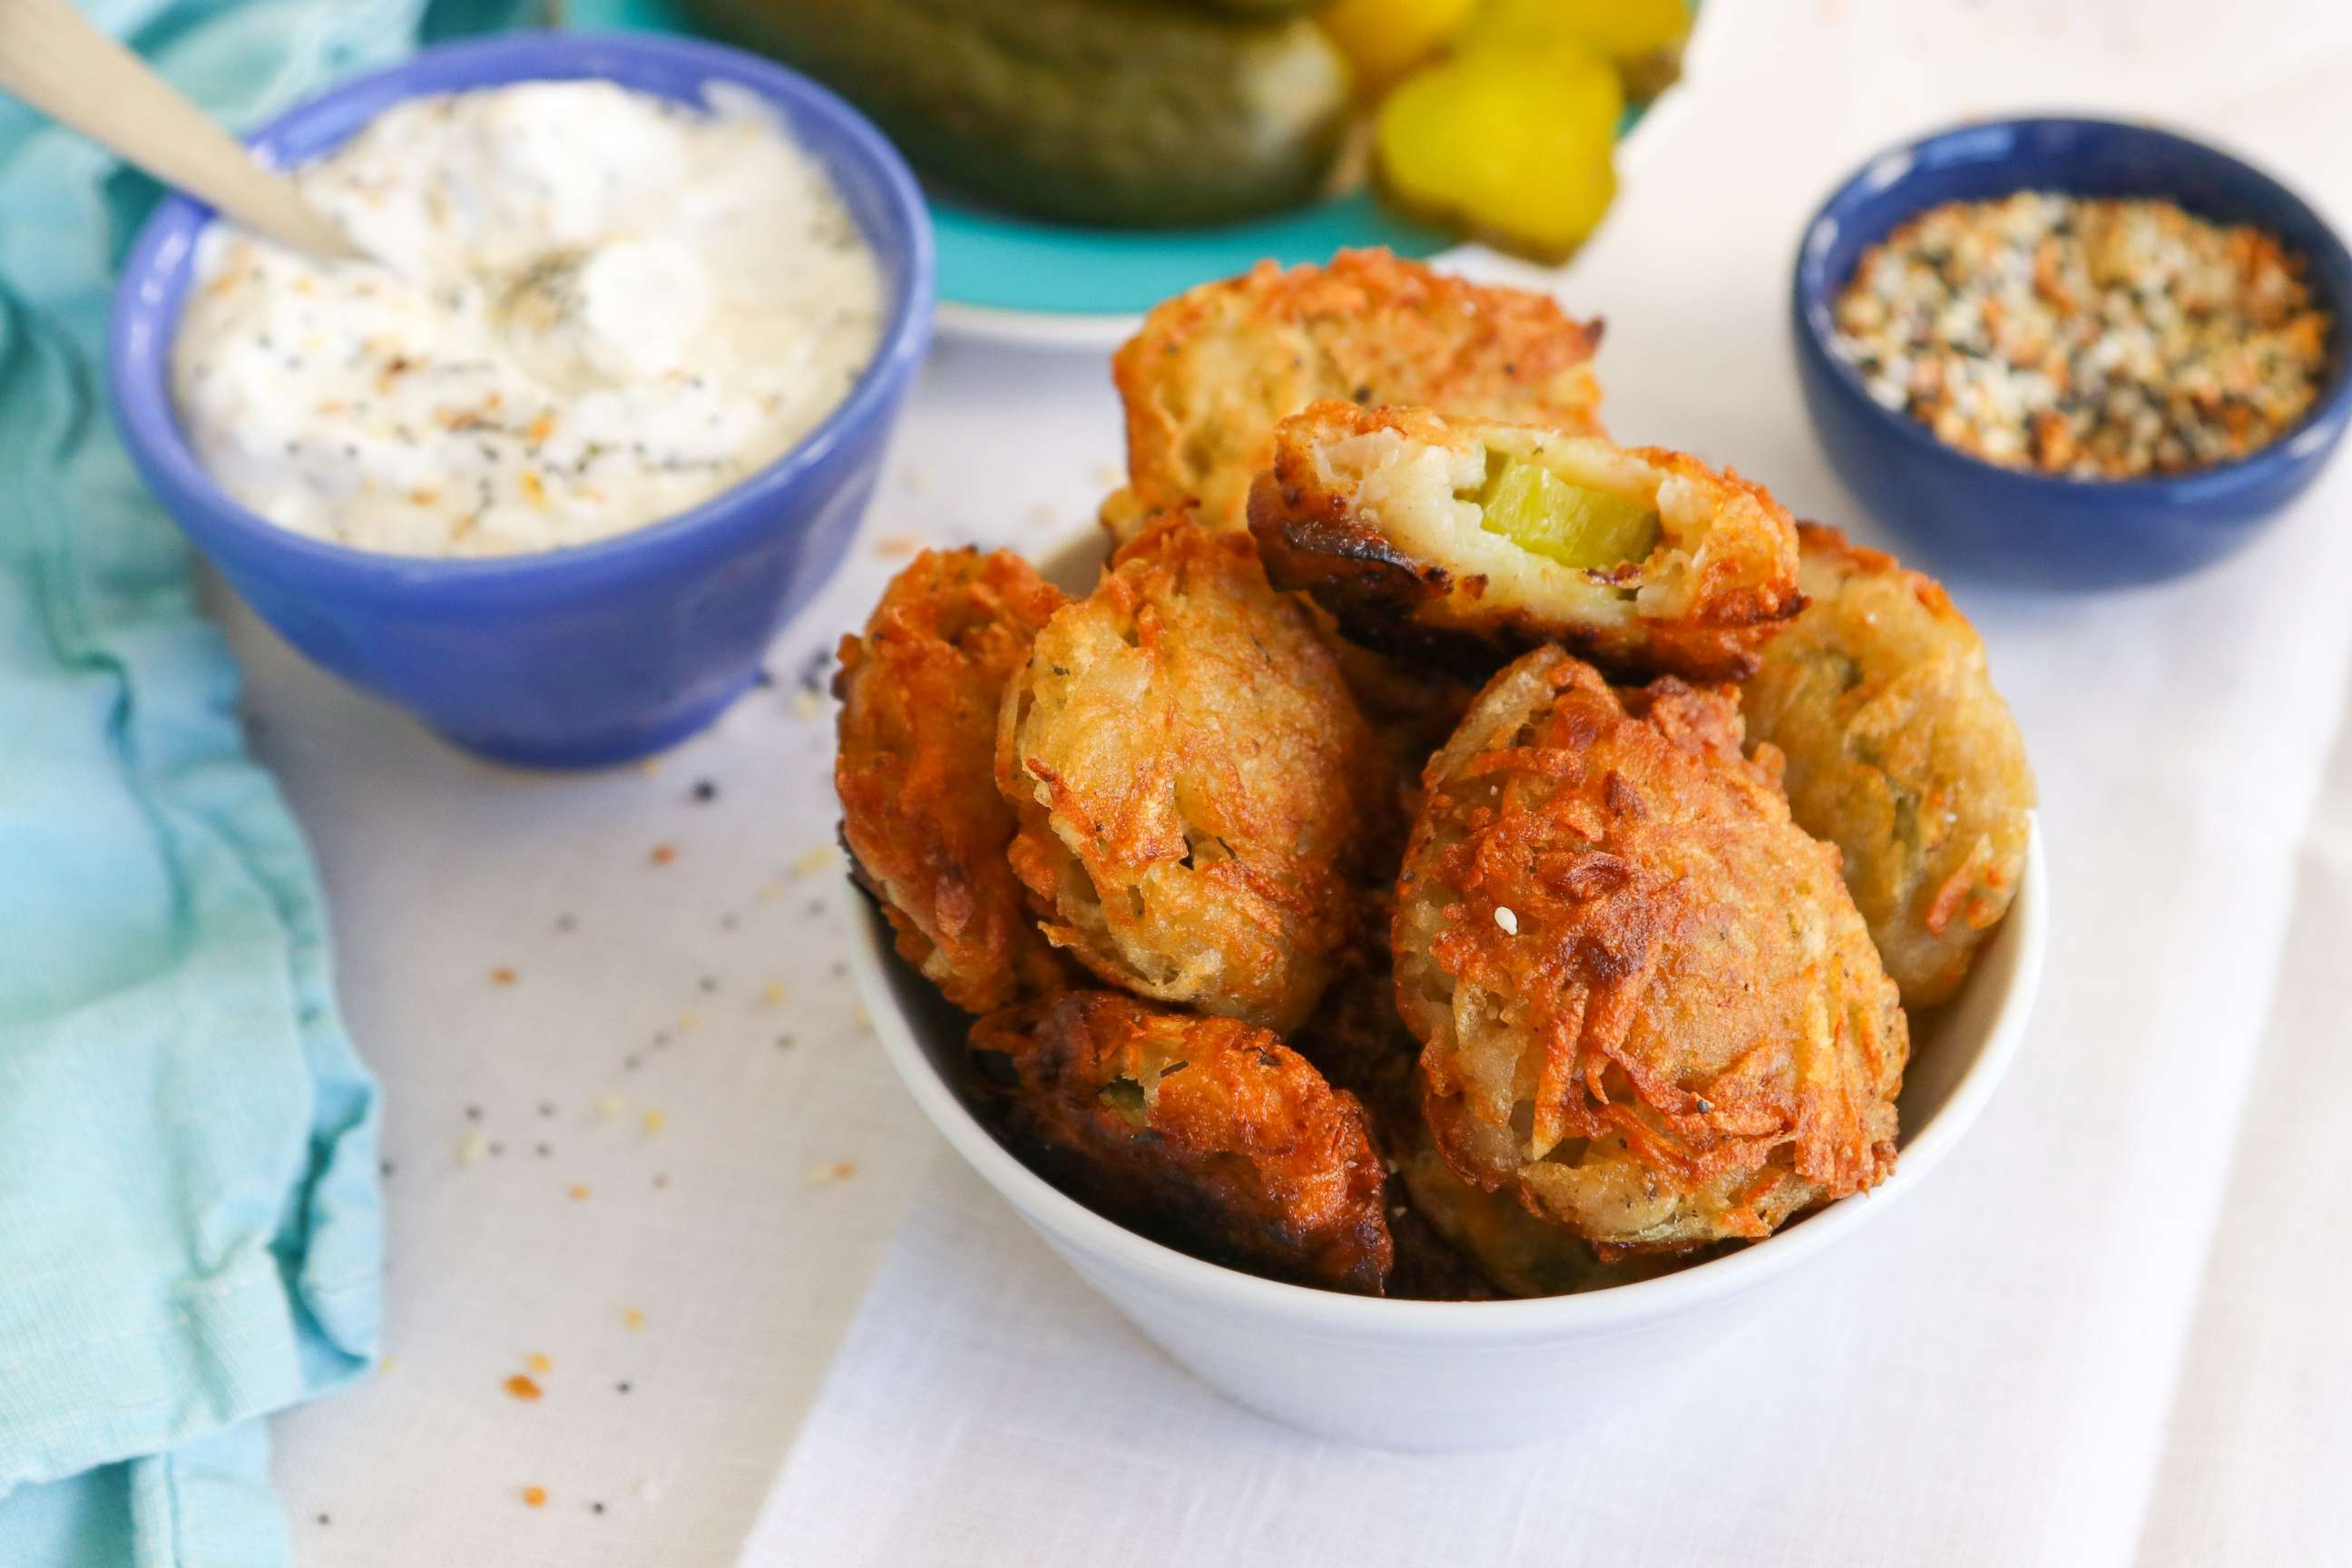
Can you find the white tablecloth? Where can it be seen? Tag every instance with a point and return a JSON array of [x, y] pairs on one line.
[[2104, 1333]]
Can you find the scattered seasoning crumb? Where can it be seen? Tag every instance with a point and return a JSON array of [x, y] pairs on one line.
[[387, 1363], [649, 766], [805, 705], [1044, 516], [534, 1496], [473, 1113], [826, 1176], [538, 1362], [384, 1168], [324, 1519], [1507, 918], [729, 921], [864, 1019], [817, 905], [663, 854], [522, 1387], [916, 481], [579, 1195], [544, 1151], [772, 992], [763, 678], [471, 1148], [769, 892], [631, 1064], [503, 974], [622, 1386], [785, 1042], [655, 1121], [566, 923], [810, 862], [595, 1508], [705, 791], [708, 982], [496, 1149], [633, 1318], [608, 1106], [689, 1022], [547, 1108]]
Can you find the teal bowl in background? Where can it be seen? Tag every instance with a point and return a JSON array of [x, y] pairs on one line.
[[1010, 278]]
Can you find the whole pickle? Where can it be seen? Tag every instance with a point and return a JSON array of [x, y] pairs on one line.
[[1130, 113]]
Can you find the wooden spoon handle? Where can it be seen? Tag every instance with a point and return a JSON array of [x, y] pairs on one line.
[[58, 63]]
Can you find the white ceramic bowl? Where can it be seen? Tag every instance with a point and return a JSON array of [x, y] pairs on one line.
[[1447, 1374]]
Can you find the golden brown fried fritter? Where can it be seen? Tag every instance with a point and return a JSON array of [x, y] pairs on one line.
[[1453, 1242], [1647, 1003], [1213, 370], [1517, 1252], [1193, 786], [1466, 541], [1206, 1134], [1899, 751], [919, 808]]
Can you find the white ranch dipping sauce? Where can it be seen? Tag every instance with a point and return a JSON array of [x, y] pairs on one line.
[[598, 310]]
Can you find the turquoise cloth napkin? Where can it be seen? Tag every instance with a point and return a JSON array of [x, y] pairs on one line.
[[190, 1235]]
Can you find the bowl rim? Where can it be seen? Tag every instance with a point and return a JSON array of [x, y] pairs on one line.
[[872, 953], [1812, 289], [139, 332]]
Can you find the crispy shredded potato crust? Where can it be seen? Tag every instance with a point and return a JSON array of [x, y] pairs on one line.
[[919, 810], [1362, 508], [1194, 788], [1647, 1005], [1207, 1133], [1899, 751], [1638, 1001], [1213, 370]]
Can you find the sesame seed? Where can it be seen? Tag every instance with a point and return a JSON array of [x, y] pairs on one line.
[[1507, 918]]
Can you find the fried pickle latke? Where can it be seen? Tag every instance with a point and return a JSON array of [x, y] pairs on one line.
[[1899, 751], [1206, 1134], [1466, 541], [1453, 1243], [919, 809], [1515, 1251], [1214, 369], [1194, 788], [1647, 1005]]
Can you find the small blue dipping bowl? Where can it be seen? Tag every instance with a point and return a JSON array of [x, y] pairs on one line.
[[1972, 518], [573, 658]]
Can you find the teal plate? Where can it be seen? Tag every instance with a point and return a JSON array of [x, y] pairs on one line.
[[1008, 278]]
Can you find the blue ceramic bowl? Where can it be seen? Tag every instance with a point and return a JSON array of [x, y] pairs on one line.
[[581, 656], [1971, 518]]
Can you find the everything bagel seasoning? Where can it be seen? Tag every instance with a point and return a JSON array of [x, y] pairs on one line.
[[2095, 338]]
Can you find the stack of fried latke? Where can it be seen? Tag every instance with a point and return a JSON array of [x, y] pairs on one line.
[[1447, 853]]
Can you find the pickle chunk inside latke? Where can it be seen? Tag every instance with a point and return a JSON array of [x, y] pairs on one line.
[[1466, 541]]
